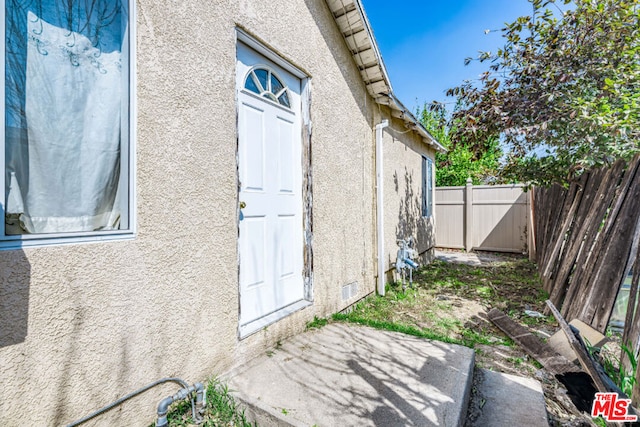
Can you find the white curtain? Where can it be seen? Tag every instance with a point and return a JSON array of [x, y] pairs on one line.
[[73, 105]]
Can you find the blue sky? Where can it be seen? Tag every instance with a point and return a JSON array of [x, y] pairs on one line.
[[424, 42]]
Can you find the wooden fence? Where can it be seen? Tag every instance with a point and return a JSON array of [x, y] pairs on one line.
[[483, 217], [587, 239]]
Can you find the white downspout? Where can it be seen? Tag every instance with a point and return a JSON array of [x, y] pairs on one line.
[[380, 204]]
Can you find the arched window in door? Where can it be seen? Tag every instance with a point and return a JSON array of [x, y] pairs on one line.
[[266, 84]]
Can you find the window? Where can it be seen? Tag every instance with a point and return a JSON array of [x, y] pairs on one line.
[[67, 128], [427, 187], [265, 83]]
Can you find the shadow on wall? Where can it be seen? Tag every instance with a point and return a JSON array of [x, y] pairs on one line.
[[15, 277], [410, 219], [497, 223], [508, 234], [502, 229]]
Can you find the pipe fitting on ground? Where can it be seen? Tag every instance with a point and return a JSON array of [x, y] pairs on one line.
[[163, 409], [197, 410], [201, 400]]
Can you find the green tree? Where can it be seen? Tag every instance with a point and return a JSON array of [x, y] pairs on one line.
[[460, 162], [563, 94]]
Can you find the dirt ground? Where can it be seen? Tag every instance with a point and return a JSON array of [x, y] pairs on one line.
[[459, 296], [449, 299]]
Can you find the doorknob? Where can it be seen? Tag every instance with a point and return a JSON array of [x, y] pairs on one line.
[[243, 205]]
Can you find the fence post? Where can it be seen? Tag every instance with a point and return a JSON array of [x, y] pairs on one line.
[[468, 216], [531, 226]]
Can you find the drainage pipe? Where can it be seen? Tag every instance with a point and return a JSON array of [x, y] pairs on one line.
[[120, 401], [380, 203]]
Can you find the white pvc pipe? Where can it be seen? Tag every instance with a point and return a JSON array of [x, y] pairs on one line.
[[380, 204]]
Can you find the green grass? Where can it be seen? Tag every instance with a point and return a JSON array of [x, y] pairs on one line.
[[600, 422], [430, 308], [499, 281], [516, 360], [615, 369], [477, 337], [397, 327], [221, 410], [317, 322]]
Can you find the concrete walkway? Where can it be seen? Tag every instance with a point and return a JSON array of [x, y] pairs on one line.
[[503, 400], [349, 375], [469, 258]]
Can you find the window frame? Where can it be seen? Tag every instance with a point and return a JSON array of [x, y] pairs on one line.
[[269, 90], [128, 158], [427, 187]]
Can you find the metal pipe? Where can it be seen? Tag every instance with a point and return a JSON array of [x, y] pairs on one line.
[[163, 406], [163, 409], [380, 203], [201, 398], [196, 410], [120, 401]]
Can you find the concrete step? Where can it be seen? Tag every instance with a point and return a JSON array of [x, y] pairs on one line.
[[349, 375], [504, 400]]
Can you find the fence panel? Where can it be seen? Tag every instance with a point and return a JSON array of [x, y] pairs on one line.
[[595, 234], [450, 212], [483, 217]]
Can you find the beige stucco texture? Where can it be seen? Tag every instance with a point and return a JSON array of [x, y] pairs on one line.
[[403, 152], [84, 324]]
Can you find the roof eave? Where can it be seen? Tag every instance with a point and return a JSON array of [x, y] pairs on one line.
[[411, 121], [356, 30]]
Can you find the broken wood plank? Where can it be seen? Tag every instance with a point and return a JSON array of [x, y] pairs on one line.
[[580, 387], [581, 352], [582, 301], [548, 217], [559, 200], [554, 197], [534, 346], [603, 383]]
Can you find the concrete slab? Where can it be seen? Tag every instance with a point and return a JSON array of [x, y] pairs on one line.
[[504, 400], [560, 343], [349, 375], [469, 258]]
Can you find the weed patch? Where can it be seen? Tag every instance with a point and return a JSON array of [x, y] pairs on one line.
[[221, 410], [448, 302], [317, 323]]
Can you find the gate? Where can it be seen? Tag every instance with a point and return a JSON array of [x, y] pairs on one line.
[[483, 217]]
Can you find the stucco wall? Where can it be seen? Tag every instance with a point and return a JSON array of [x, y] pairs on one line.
[[89, 323], [403, 218]]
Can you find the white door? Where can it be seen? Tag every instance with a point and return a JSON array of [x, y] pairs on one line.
[[270, 173]]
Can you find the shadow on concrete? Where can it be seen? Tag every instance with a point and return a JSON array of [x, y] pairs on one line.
[[350, 375]]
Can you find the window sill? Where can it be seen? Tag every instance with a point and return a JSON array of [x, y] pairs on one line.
[[63, 239]]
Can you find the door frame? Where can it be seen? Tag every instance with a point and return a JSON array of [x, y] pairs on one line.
[[307, 183]]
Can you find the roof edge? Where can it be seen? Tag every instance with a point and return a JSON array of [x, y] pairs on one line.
[[374, 44], [409, 118], [381, 90]]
